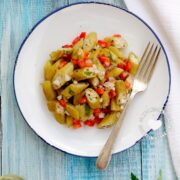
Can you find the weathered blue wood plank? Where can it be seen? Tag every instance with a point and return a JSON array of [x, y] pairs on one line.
[[156, 156], [24, 153]]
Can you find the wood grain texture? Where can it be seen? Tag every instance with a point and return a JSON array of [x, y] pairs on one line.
[[24, 153]]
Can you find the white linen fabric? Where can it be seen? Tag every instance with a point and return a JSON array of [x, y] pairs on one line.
[[164, 17]]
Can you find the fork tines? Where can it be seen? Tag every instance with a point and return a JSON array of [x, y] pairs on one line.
[[148, 62]]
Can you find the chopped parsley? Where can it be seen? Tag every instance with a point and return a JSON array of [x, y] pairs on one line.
[[87, 110], [87, 72], [111, 57]]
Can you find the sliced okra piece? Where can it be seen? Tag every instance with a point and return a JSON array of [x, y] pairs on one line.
[[49, 91], [93, 98], [109, 120], [74, 89], [84, 73], [63, 75], [73, 112], [90, 41], [121, 97], [106, 99]]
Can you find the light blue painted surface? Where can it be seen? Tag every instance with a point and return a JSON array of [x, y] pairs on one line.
[[24, 153]]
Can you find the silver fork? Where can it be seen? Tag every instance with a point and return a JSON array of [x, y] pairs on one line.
[[146, 67]]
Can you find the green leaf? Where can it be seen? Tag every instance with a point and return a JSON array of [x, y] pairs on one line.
[[133, 177], [160, 175]]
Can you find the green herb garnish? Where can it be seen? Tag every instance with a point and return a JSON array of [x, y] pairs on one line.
[[133, 177], [88, 73], [87, 110], [111, 57]]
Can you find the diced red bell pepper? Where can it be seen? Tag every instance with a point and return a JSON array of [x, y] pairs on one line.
[[127, 85], [63, 63], [74, 61], [105, 60], [81, 63], [123, 76], [62, 102], [76, 123], [103, 43], [100, 91], [122, 66], [97, 120], [112, 94], [82, 35], [128, 66], [76, 40], [83, 100], [76, 126], [89, 123], [96, 112]]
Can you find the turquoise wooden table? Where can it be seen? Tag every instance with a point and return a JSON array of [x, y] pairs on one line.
[[24, 153]]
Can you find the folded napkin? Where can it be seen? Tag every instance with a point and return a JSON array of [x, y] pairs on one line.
[[164, 16]]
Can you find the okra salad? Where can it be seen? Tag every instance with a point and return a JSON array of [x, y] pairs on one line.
[[88, 81]]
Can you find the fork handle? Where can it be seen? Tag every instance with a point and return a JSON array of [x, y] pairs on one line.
[[106, 153]]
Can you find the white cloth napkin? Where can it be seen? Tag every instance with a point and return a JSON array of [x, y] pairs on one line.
[[164, 17]]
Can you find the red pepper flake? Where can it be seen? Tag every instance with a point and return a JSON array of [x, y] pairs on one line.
[[83, 100], [82, 35], [62, 102], [103, 43], [67, 46], [112, 94], [100, 91], [123, 76], [117, 35], [76, 123], [62, 64], [96, 112]]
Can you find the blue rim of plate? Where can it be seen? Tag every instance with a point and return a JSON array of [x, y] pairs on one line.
[[91, 2]]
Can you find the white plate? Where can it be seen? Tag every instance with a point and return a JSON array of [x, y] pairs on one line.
[[59, 28]]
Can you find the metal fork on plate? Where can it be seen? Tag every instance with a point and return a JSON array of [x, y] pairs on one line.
[[141, 80]]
